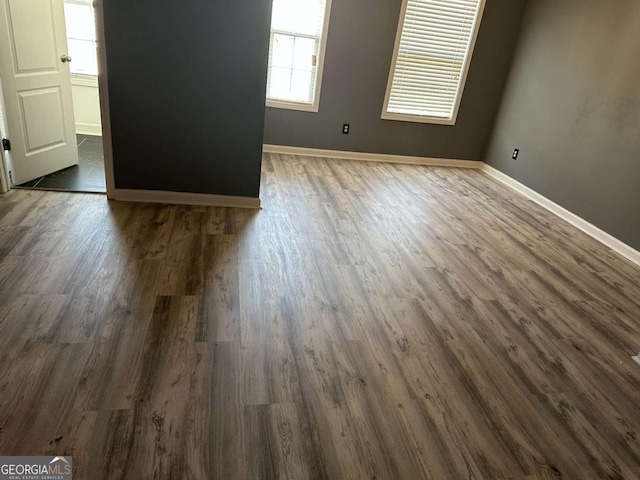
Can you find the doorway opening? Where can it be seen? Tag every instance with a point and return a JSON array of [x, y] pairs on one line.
[[89, 174], [54, 119]]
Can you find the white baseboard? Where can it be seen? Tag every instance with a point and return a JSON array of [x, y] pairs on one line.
[[88, 129], [183, 198], [371, 157], [603, 237]]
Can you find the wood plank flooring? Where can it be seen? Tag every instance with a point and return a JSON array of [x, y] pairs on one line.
[[372, 321]]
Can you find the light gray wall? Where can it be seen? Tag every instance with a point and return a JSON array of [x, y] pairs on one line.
[[359, 50], [86, 107], [187, 83], [572, 105]]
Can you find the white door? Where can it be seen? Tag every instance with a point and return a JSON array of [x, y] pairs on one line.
[[36, 85]]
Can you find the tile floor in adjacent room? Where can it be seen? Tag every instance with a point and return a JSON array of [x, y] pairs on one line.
[[87, 176]]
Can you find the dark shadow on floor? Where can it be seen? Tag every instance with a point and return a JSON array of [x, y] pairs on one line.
[[87, 176]]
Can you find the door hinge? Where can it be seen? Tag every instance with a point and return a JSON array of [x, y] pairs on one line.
[[6, 144]]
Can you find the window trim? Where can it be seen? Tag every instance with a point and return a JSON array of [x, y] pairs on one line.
[[403, 117], [84, 80], [315, 105]]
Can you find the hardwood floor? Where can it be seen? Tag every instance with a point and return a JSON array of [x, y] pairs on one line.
[[372, 321]]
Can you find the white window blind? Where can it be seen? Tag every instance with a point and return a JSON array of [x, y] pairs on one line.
[[296, 50], [81, 36], [432, 55]]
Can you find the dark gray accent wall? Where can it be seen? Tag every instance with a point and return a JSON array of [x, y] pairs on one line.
[[187, 87], [572, 106], [359, 51]]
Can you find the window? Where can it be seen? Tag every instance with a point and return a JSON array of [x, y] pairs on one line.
[[296, 53], [81, 36], [433, 50]]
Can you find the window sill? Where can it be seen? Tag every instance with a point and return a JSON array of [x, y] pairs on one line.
[[400, 117], [84, 80], [303, 107]]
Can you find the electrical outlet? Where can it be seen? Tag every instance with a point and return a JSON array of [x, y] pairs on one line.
[[345, 128], [515, 153]]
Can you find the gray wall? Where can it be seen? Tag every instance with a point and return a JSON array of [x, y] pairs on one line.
[[572, 105], [359, 50], [187, 87]]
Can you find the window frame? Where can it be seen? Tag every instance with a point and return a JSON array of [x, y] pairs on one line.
[[405, 117], [315, 105], [83, 80], [80, 78]]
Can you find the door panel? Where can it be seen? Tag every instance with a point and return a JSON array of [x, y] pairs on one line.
[[32, 36], [34, 105], [37, 87]]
